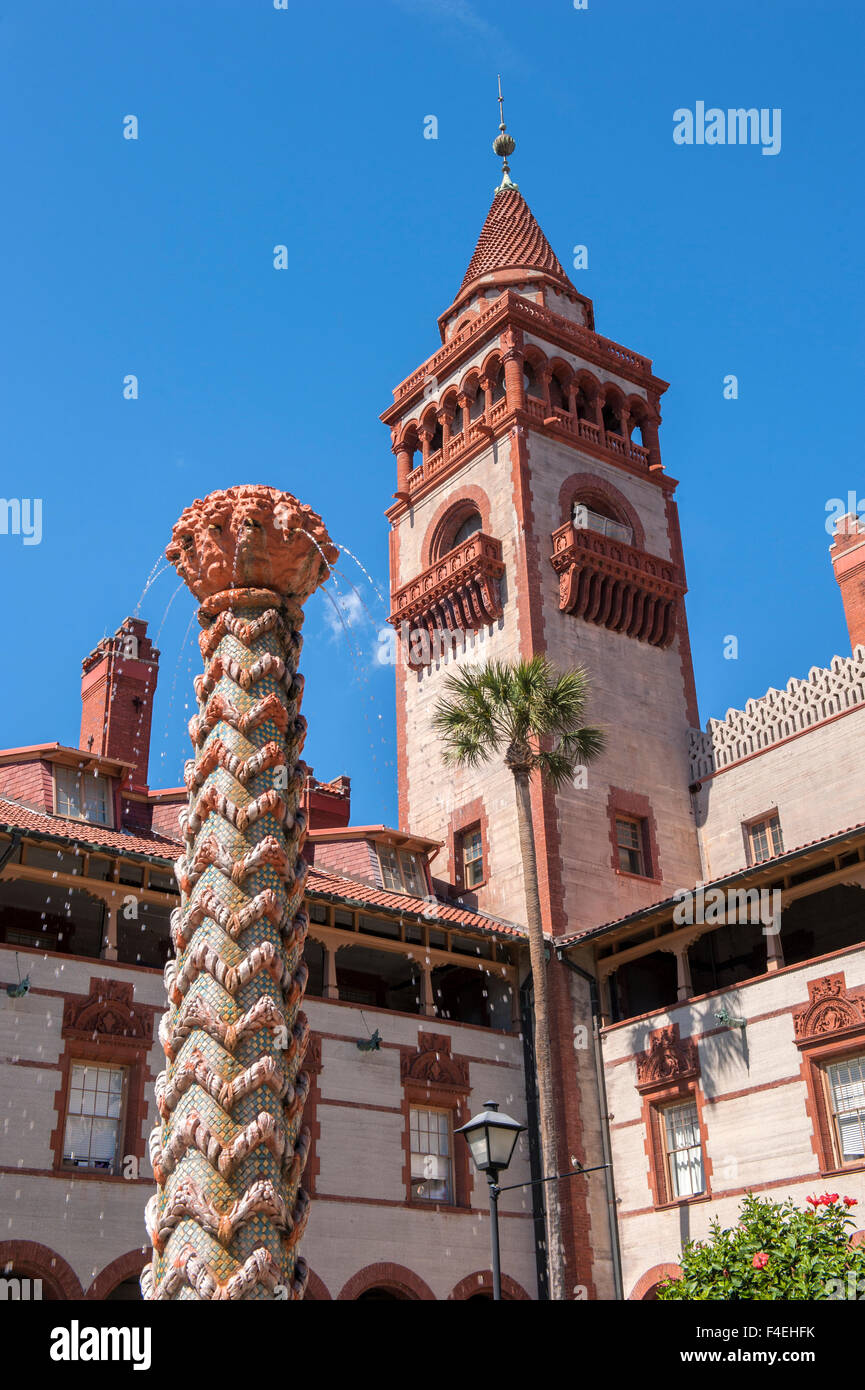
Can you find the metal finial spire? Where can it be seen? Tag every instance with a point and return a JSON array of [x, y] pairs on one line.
[[504, 145]]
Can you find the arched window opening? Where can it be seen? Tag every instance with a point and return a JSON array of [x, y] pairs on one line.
[[476, 409], [612, 418], [467, 527], [532, 382], [438, 439], [596, 514], [585, 404], [499, 386], [558, 399], [456, 425], [637, 427]]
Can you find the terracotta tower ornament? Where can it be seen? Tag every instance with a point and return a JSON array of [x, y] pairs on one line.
[[229, 1149]]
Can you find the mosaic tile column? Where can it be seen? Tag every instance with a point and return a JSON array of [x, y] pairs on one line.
[[229, 1149]]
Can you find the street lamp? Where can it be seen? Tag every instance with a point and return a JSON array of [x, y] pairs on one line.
[[492, 1138]]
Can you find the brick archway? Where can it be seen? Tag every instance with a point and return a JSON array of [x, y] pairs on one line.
[[388, 1276], [482, 1282], [647, 1284], [35, 1261], [124, 1267], [316, 1289]]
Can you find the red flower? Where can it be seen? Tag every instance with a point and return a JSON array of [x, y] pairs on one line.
[[760, 1260], [814, 1201], [831, 1197], [851, 1201]]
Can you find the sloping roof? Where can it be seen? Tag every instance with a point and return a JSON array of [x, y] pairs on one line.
[[511, 239], [774, 862], [319, 884], [359, 894], [89, 835]]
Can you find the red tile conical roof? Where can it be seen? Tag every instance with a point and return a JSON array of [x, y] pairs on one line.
[[511, 240]]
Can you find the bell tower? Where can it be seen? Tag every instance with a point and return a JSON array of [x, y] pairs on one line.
[[533, 514]]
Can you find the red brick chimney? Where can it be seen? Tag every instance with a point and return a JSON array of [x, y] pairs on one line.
[[118, 683], [848, 558]]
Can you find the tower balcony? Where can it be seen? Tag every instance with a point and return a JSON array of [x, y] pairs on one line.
[[614, 585], [459, 593]]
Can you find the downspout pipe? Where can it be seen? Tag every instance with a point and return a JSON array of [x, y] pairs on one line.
[[6, 855], [609, 1179]]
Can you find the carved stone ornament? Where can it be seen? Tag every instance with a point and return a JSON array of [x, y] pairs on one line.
[[251, 536], [667, 1058], [108, 1012], [831, 1009], [433, 1065]]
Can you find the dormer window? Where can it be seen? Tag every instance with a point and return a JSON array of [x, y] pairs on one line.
[[587, 518], [82, 795], [402, 871]]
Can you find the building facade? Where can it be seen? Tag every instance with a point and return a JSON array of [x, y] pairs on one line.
[[702, 889]]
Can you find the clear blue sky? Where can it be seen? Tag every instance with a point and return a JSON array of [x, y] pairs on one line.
[[305, 127]]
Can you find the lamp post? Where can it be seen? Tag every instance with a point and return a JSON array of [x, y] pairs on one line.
[[492, 1137]]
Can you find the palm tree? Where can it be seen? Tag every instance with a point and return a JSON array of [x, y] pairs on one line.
[[531, 716]]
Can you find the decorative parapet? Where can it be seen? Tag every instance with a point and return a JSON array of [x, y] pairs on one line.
[[587, 344], [459, 593], [614, 585], [779, 715]]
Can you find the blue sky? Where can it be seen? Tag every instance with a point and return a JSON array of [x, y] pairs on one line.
[[305, 127]]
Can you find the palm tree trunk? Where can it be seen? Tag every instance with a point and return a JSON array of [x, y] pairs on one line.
[[542, 1047], [229, 1148]]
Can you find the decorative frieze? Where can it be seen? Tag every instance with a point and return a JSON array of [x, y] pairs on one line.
[[779, 714]]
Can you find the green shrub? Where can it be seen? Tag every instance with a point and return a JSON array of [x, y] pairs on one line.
[[777, 1251]]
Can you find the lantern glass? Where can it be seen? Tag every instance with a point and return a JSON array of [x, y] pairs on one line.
[[491, 1138]]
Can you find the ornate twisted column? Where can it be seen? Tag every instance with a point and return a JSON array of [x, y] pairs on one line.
[[229, 1149]]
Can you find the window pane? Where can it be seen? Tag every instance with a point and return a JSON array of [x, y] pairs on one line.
[[847, 1081], [684, 1150], [93, 1114], [68, 791], [431, 1178], [390, 869], [413, 875]]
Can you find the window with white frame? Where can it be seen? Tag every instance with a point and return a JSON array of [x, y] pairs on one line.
[[94, 1116], [684, 1150], [472, 848], [764, 838], [847, 1097], [402, 871], [431, 1167], [82, 795]]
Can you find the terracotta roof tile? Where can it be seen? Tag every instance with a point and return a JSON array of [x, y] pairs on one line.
[[14, 816], [511, 239]]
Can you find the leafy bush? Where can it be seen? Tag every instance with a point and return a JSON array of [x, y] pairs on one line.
[[777, 1251]]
